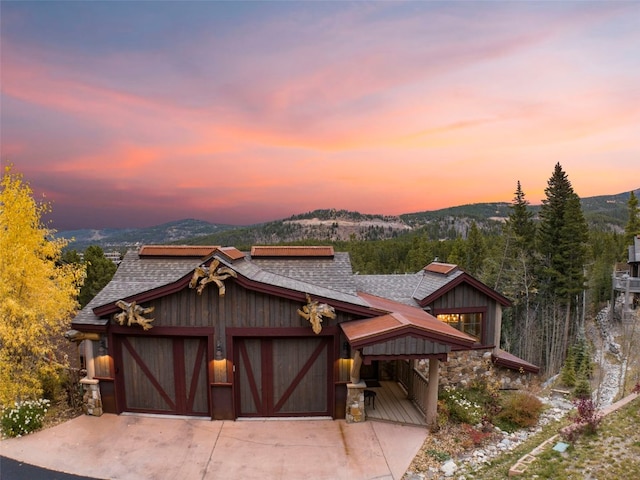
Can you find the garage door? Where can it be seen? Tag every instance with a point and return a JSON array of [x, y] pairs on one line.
[[164, 375], [282, 376]]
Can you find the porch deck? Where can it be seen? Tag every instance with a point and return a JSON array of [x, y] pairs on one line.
[[392, 405]]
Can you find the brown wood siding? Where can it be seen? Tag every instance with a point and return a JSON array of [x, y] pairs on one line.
[[465, 298], [406, 345], [239, 308]]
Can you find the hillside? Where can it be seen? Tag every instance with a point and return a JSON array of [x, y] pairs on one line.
[[122, 238], [606, 212]]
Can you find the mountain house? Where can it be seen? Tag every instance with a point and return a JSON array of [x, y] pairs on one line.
[[285, 332]]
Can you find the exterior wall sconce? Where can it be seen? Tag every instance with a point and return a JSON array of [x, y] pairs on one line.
[[219, 355], [102, 346], [345, 351], [219, 364]]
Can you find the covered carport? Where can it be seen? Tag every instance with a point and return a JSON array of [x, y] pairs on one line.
[[403, 332]]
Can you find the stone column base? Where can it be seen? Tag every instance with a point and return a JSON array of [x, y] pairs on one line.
[[91, 400], [355, 402]]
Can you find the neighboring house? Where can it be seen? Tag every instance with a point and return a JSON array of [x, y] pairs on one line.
[[626, 281], [279, 332]]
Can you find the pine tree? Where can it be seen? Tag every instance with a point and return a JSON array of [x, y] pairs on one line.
[[476, 251], [520, 222], [562, 237], [100, 270], [552, 217], [37, 292], [633, 224], [515, 278]]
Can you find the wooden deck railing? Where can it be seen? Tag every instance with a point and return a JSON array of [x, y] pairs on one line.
[[622, 283], [420, 384], [414, 383]]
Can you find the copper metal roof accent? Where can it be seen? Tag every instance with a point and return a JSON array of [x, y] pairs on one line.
[[232, 253], [508, 360], [441, 268], [291, 251], [397, 317], [176, 251]]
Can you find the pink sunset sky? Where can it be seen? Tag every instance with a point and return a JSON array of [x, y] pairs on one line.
[[126, 114]]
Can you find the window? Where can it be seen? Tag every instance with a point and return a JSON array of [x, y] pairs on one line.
[[469, 323]]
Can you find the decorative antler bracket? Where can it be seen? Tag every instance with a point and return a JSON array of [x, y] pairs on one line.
[[215, 273], [314, 311], [132, 314]]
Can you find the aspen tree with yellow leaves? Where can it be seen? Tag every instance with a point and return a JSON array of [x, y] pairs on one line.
[[38, 294]]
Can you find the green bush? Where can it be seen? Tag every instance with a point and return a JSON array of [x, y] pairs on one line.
[[582, 389], [25, 417], [519, 410], [461, 407], [50, 382]]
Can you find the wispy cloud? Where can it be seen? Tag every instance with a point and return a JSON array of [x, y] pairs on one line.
[[237, 112]]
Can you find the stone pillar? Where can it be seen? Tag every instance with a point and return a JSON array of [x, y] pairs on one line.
[[91, 400], [355, 402], [432, 394]]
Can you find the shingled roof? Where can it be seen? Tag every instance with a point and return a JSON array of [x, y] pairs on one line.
[[333, 272], [329, 278], [136, 275]]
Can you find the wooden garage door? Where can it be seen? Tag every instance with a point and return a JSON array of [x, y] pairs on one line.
[[165, 374], [282, 376]]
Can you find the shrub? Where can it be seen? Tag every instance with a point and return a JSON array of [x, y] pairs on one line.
[[25, 417], [438, 455], [586, 420], [587, 414], [50, 382], [582, 389], [474, 437], [460, 407], [519, 410]]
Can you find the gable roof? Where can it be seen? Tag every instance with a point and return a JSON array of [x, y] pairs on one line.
[[333, 272], [134, 276], [432, 287], [401, 321], [424, 287], [396, 323], [144, 278]]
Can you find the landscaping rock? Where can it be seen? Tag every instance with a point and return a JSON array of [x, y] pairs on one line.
[[449, 468]]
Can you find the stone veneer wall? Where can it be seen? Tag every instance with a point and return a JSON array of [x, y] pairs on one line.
[[91, 401], [463, 368], [355, 403]]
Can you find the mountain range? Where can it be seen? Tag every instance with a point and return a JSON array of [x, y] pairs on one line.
[[605, 212]]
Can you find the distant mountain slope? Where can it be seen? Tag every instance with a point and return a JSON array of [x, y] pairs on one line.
[[606, 212], [121, 238]]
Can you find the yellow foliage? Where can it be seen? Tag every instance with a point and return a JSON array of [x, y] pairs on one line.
[[38, 295]]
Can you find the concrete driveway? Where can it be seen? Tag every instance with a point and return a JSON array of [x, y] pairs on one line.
[[142, 447]]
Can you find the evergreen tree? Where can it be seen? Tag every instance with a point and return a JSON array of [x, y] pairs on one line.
[[100, 270], [552, 217], [475, 250], [633, 224], [515, 278], [520, 222], [572, 250], [562, 237]]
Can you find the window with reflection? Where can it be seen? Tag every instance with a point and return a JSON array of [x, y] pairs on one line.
[[469, 323]]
